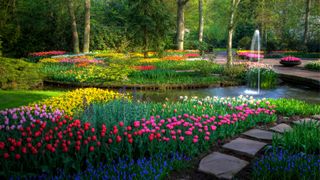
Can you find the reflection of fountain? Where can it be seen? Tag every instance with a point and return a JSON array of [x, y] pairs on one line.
[[255, 54]]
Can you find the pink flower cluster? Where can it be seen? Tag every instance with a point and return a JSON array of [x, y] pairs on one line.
[[15, 118], [290, 58], [47, 53], [249, 55], [80, 60]]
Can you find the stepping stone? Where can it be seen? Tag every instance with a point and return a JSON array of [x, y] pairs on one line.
[[259, 134], [281, 128], [245, 146], [306, 120], [221, 165], [317, 117]]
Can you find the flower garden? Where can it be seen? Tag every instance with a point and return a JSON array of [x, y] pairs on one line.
[[103, 134], [106, 135]]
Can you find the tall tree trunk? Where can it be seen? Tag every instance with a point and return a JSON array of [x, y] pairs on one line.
[[306, 22], [231, 27], [180, 23], [75, 37], [201, 21], [86, 37]]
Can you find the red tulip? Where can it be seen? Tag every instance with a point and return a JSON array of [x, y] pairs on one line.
[[91, 149], [118, 139], [121, 124], [24, 150], [6, 155]]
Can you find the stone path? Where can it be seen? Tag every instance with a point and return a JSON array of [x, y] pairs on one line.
[[226, 165]]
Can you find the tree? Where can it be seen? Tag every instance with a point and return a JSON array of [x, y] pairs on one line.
[[201, 21], [149, 22], [180, 23], [75, 37], [233, 11], [86, 37], [306, 22]]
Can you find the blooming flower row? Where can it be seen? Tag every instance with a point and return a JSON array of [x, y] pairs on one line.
[[47, 53], [145, 68]]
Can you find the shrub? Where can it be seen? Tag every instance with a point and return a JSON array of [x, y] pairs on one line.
[[244, 43], [235, 72], [315, 66], [18, 74], [268, 78]]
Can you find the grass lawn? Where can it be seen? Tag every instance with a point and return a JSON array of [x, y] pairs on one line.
[[16, 98]]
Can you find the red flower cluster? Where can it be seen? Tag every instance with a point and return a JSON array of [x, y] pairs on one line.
[[191, 55], [48, 53], [144, 68]]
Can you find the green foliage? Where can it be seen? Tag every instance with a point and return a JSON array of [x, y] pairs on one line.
[[17, 98], [303, 54], [268, 78], [303, 138], [18, 74], [290, 107], [315, 66], [93, 73], [237, 72], [244, 43]]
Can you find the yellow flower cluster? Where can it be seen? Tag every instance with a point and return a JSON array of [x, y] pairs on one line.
[[75, 101], [249, 51], [49, 60], [110, 55], [149, 60]]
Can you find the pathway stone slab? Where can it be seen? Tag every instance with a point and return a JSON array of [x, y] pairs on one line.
[[259, 134], [281, 128], [245, 146], [317, 117], [221, 165], [306, 120]]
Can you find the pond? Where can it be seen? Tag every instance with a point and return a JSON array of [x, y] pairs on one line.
[[285, 91]]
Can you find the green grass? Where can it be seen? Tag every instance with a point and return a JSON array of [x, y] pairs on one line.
[[16, 98]]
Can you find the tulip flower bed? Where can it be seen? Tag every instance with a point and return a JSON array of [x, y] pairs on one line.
[[111, 70], [43, 141], [76, 100]]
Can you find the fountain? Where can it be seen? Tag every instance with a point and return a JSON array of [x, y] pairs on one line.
[[255, 54]]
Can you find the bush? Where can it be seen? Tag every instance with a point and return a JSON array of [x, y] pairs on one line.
[[315, 66], [268, 78], [235, 72], [18, 74], [244, 43]]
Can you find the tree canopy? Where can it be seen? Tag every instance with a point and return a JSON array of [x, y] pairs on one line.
[[151, 25]]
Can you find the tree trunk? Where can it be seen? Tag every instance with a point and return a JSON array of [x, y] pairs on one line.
[[201, 21], [75, 37], [180, 23], [306, 22], [231, 26], [86, 37]]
